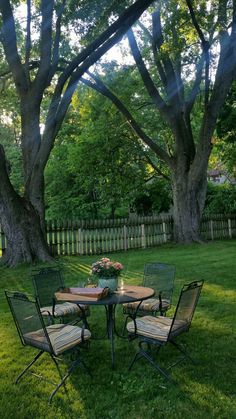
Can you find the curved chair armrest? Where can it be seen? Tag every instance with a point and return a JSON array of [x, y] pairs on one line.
[[51, 319], [53, 306], [160, 301], [84, 342], [134, 334], [82, 333], [136, 311]]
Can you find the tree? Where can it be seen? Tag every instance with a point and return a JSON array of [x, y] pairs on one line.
[[185, 54], [220, 199], [97, 160], [154, 198], [226, 133], [45, 72]]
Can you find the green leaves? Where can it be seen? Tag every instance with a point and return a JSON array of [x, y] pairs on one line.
[[97, 166]]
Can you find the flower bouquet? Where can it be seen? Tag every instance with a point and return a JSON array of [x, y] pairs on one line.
[[107, 272]]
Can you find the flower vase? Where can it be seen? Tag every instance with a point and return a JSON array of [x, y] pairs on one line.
[[111, 283]]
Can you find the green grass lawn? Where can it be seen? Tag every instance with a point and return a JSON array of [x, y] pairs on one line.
[[207, 390]]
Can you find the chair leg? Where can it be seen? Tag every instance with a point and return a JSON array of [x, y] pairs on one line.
[[184, 352], [28, 366], [59, 372], [155, 365], [84, 317], [124, 327], [144, 354], [86, 323], [68, 373], [137, 356]]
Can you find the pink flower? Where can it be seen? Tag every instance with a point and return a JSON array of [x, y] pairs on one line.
[[118, 265], [105, 268]]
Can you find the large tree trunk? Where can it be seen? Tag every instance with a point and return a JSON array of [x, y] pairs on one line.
[[31, 143], [21, 224], [189, 195], [25, 239]]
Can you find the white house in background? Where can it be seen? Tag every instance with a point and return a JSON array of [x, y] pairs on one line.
[[219, 177]]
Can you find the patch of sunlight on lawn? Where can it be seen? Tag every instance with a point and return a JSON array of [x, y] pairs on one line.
[[205, 395], [219, 291]]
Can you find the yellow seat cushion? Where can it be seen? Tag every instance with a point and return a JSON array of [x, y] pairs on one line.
[[64, 309], [62, 337], [151, 304], [156, 327]]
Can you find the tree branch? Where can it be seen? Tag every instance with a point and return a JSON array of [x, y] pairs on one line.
[[196, 85], [28, 39], [46, 43], [205, 48], [153, 41], [125, 20], [55, 55], [148, 83], [157, 41], [80, 65], [59, 106], [178, 62], [155, 167], [166, 71], [100, 87], [233, 33], [8, 40], [225, 74]]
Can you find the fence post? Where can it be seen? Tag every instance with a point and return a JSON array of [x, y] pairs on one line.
[[49, 235], [212, 231], [70, 237], [143, 237], [80, 241], [230, 228], [53, 242], [2, 241], [125, 237], [164, 231], [61, 247], [55, 238]]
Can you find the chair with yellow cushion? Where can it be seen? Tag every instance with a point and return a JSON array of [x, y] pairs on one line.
[[56, 339], [160, 277], [158, 331], [46, 282]]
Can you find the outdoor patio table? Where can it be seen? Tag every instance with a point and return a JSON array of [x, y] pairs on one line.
[[127, 294]]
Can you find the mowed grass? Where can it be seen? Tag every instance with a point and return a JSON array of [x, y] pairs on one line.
[[207, 390]]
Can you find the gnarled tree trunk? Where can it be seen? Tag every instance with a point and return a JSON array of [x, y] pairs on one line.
[[21, 224], [188, 203]]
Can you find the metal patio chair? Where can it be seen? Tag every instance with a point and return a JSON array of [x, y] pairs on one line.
[[56, 339], [46, 282], [156, 332], [160, 277]]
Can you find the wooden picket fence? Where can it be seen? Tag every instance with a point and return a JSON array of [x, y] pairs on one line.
[[88, 237]]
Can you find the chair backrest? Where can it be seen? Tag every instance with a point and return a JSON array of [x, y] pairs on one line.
[[28, 319], [186, 306], [46, 282], [160, 277]]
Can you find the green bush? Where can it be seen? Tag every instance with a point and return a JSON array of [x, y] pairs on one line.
[[220, 199]]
